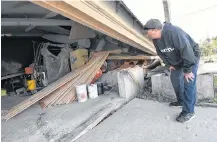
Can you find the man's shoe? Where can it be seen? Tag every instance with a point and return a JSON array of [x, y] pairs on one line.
[[184, 117], [175, 104]]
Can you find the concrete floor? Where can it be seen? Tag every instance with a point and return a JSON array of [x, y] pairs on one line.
[[37, 125], [149, 121], [7, 102]]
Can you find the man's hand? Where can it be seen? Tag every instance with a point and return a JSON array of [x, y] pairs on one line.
[[189, 76], [171, 68]]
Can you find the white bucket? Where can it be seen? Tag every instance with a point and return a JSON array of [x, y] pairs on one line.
[[92, 91], [81, 92]]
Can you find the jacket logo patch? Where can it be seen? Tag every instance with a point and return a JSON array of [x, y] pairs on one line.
[[168, 49]]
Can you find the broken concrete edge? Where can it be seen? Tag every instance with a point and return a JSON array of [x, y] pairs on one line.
[[161, 84], [94, 120]]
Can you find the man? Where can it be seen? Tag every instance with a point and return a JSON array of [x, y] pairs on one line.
[[181, 54]]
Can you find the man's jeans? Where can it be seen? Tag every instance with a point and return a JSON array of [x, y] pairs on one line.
[[185, 91]]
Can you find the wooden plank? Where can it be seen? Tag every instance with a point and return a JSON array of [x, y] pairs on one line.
[[77, 82], [92, 75], [67, 96], [54, 95], [141, 57], [59, 93], [117, 51], [60, 100], [85, 13], [109, 13], [89, 79], [40, 95], [67, 86], [85, 79]]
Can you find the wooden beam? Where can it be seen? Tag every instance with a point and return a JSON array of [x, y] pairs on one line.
[[60, 86], [117, 51], [40, 95], [141, 57], [85, 78], [86, 14]]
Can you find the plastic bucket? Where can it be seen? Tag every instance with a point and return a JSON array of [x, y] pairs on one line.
[[81, 91], [31, 85], [92, 91]]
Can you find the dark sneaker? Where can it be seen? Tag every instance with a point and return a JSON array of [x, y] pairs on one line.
[[184, 117], [175, 104]]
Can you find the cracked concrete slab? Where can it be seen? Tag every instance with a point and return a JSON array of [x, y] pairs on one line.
[[35, 124], [150, 121]]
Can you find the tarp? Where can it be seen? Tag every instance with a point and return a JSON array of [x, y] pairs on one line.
[[56, 66]]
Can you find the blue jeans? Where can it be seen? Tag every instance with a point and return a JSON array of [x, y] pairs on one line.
[[185, 91]]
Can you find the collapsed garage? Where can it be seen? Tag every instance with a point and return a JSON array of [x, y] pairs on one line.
[[51, 50], [40, 46], [66, 66]]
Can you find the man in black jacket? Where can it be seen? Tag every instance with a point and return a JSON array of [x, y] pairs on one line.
[[181, 54]]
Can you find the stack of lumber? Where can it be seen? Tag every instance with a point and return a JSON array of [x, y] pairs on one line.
[[63, 90]]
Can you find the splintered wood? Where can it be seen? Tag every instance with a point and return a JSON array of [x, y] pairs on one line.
[[63, 90]]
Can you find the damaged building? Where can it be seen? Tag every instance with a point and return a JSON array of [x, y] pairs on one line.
[[38, 44], [56, 54], [44, 42]]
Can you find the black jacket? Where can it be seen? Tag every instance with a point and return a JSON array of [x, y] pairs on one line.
[[177, 48]]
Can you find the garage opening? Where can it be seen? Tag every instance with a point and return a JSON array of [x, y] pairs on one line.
[[40, 46]]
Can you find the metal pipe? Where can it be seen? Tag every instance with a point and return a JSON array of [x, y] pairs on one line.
[[34, 22]]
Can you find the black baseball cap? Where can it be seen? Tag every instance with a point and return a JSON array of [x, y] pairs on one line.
[[152, 24]]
